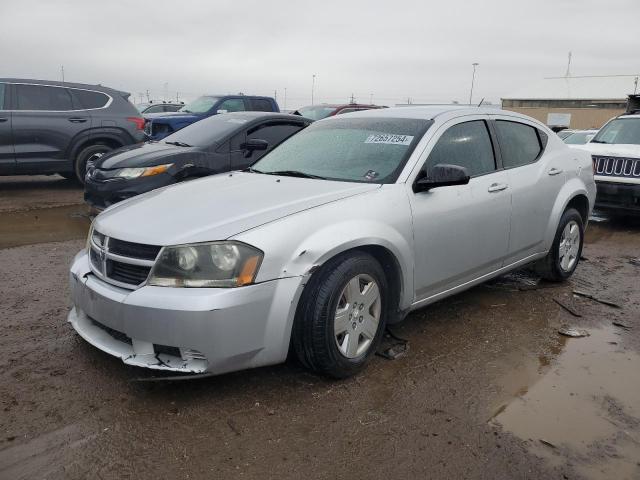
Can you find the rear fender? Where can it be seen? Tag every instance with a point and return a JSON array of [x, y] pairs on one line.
[[572, 188]]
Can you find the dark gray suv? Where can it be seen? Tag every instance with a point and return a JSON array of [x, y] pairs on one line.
[[51, 127]]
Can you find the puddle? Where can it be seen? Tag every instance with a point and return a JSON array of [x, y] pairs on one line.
[[584, 410], [43, 225]]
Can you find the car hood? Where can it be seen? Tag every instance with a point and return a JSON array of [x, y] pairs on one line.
[[218, 207], [611, 150], [171, 115], [145, 155]]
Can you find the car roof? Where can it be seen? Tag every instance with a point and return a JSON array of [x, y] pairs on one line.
[[249, 116], [433, 112], [100, 88]]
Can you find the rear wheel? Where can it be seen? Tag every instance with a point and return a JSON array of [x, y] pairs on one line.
[[342, 315], [85, 154], [563, 258]]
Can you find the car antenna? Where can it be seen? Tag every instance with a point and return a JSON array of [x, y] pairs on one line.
[[481, 101]]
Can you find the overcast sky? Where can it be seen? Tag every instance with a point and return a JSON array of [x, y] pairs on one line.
[[395, 50]]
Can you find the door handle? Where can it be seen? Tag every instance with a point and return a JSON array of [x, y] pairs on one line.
[[77, 120], [497, 187], [3, 119], [554, 171]]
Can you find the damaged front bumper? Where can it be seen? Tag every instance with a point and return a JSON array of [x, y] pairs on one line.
[[188, 330]]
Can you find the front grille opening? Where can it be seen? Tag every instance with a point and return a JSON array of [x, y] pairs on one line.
[[167, 350], [95, 258], [121, 337], [126, 272], [133, 250]]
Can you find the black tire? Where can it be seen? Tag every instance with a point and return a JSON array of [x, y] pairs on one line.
[[549, 268], [80, 164], [313, 336]]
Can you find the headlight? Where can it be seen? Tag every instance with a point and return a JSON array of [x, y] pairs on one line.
[[214, 264], [143, 171]]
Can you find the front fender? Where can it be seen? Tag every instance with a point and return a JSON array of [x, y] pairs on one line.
[[298, 244]]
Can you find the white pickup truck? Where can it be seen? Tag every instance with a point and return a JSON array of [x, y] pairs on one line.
[[615, 151]]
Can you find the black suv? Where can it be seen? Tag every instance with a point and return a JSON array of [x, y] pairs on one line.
[[51, 127]]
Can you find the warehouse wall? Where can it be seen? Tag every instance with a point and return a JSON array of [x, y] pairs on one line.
[[581, 118]]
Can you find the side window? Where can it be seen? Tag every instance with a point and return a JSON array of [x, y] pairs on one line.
[[274, 133], [232, 105], [261, 105], [2, 94], [85, 99], [38, 97], [467, 145], [519, 143]]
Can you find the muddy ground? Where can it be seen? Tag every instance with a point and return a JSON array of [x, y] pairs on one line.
[[488, 388]]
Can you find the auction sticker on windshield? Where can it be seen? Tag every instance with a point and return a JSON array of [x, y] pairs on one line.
[[389, 139]]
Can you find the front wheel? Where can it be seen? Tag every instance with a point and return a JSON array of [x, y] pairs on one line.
[[342, 315], [563, 258]]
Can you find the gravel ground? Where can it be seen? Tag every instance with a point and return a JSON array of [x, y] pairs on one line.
[[486, 390]]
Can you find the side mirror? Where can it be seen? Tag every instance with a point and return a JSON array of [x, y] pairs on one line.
[[222, 111], [254, 144], [441, 175]]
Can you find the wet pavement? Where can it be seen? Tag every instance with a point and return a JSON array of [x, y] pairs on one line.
[[488, 388]]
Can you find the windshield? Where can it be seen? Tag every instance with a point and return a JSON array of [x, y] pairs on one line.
[[316, 113], [578, 138], [199, 105], [207, 131], [370, 150], [620, 130]]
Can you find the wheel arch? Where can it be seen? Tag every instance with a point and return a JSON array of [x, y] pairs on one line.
[[573, 194], [112, 138]]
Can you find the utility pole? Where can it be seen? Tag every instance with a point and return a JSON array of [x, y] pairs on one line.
[[371, 99], [275, 95], [353, 99], [473, 79], [568, 73], [148, 97], [177, 97], [635, 89], [62, 72], [285, 98], [313, 86]]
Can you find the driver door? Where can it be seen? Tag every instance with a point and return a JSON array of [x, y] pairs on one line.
[[461, 232]]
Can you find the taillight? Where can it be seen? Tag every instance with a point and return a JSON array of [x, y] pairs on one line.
[[138, 121]]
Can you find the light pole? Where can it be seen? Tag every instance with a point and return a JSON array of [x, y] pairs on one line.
[[473, 78], [313, 86]]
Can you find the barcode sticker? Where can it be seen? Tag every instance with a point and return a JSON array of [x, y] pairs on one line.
[[390, 139]]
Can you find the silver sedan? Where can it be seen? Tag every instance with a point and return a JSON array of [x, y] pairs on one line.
[[341, 230]]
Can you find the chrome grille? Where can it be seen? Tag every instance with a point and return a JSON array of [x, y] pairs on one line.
[[121, 263], [616, 166]]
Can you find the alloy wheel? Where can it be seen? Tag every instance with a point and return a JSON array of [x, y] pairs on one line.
[[357, 316]]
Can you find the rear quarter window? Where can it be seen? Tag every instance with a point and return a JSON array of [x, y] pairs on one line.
[[86, 99], [520, 144]]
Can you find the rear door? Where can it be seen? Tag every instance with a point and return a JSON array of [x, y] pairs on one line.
[[7, 157], [44, 122], [261, 105], [535, 179], [273, 132]]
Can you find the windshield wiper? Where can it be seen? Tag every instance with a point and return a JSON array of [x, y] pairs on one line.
[[178, 144], [597, 141], [290, 173]]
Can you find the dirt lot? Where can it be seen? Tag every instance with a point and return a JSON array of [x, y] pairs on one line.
[[488, 389]]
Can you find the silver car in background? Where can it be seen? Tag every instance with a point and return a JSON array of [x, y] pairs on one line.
[[338, 232]]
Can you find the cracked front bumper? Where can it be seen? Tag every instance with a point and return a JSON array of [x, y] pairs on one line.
[[190, 330]]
